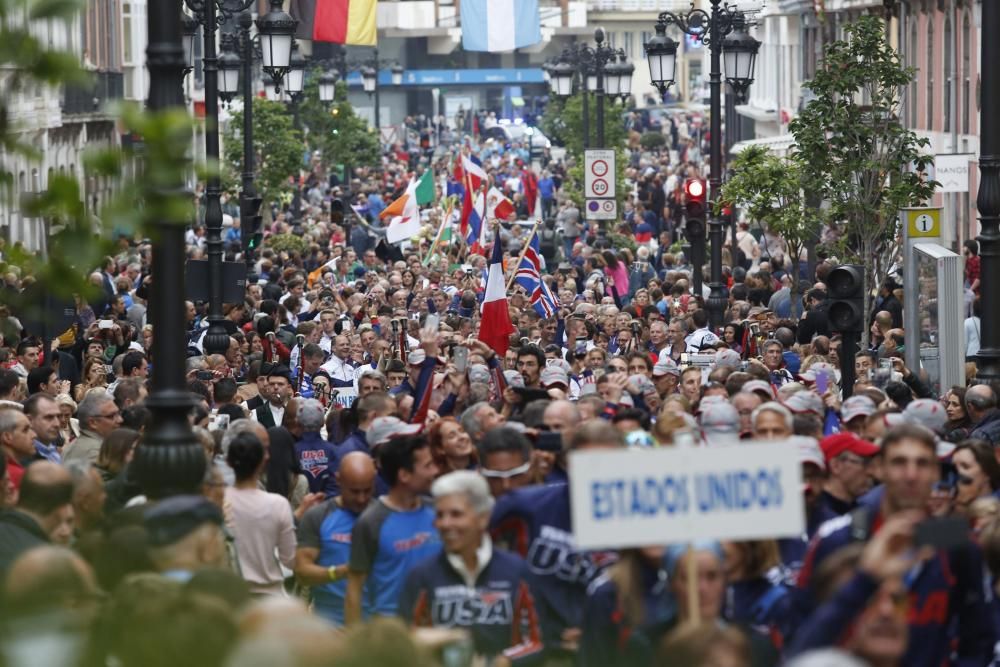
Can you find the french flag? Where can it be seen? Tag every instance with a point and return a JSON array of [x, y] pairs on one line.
[[495, 327], [477, 229]]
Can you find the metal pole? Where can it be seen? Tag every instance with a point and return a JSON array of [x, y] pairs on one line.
[[169, 460], [217, 337], [297, 197], [248, 192], [586, 110], [378, 122], [599, 63], [988, 202], [717, 292]]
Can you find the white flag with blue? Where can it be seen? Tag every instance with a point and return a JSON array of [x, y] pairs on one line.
[[500, 25]]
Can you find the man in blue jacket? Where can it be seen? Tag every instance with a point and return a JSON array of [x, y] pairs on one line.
[[947, 596], [535, 522]]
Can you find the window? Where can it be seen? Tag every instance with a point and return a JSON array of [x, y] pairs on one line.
[[929, 73], [127, 33], [966, 73], [913, 49], [628, 38], [949, 61]]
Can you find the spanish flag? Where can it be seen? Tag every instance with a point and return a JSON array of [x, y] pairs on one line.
[[337, 21]]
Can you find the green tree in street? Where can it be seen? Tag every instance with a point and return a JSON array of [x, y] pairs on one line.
[[278, 147], [772, 191], [859, 157], [334, 129]]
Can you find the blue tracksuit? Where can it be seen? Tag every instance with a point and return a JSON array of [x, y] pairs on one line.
[[949, 600], [535, 523], [499, 610]]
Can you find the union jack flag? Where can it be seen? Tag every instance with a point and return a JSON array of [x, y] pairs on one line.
[[529, 276]]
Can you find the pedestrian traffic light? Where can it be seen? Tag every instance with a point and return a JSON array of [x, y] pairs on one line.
[[846, 285], [251, 221], [694, 208]]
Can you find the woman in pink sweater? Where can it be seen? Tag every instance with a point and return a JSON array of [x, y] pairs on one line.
[[260, 522]]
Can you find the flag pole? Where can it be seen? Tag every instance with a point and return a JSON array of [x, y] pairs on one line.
[[440, 233], [524, 251]]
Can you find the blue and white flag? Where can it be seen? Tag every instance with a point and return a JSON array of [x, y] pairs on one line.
[[500, 25]]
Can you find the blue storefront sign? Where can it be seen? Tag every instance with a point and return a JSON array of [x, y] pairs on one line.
[[457, 77]]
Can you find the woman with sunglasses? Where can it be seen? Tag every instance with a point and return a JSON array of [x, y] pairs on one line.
[[978, 473]]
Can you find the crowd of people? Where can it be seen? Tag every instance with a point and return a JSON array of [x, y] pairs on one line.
[[384, 487]]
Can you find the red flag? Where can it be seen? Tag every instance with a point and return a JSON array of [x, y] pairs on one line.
[[495, 327]]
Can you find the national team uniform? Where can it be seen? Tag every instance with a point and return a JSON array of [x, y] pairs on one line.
[[328, 527], [495, 604], [386, 544]]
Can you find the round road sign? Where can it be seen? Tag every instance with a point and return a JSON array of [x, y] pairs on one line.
[[599, 168], [599, 187]]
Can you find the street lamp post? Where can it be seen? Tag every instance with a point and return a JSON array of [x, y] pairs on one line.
[[276, 29], [206, 12], [169, 460], [602, 71], [988, 203], [724, 31]]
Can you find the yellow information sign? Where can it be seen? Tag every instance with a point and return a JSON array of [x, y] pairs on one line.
[[923, 223]]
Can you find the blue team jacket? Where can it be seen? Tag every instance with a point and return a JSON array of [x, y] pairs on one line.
[[499, 611], [534, 522], [949, 600]]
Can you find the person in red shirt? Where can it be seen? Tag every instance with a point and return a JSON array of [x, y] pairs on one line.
[[971, 252], [17, 440]]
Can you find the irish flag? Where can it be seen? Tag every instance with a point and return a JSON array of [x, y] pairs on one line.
[[403, 215], [337, 21], [495, 327]]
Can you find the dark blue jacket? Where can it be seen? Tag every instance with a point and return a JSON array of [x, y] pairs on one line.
[[988, 428], [534, 522], [318, 460], [609, 639], [949, 599], [499, 611]]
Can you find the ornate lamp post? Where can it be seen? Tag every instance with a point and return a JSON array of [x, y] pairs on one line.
[[740, 55], [988, 203]]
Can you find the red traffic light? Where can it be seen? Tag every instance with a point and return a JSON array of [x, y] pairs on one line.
[[694, 188]]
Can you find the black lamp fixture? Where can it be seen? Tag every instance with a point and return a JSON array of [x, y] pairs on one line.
[[397, 75], [562, 78], [277, 31], [661, 54], [369, 79], [739, 55], [295, 77], [189, 29], [229, 69], [328, 86]]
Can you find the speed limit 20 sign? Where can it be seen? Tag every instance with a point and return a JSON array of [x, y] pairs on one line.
[[599, 184]]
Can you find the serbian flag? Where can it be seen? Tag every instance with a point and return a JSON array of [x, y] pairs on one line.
[[477, 227], [404, 216], [498, 207], [495, 327], [337, 21]]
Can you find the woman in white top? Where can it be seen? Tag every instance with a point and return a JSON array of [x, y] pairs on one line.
[[972, 329], [260, 522]]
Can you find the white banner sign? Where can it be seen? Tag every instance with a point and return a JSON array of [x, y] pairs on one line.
[[629, 498], [952, 171]]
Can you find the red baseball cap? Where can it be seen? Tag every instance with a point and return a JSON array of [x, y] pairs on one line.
[[835, 445]]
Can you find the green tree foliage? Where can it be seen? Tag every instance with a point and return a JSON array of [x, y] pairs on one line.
[[772, 191], [860, 158], [562, 122], [278, 147], [334, 129]]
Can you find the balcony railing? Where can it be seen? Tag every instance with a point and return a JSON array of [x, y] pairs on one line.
[[93, 97], [637, 5]]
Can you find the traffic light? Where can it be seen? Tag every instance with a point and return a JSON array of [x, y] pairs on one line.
[[251, 234], [694, 208], [846, 285]]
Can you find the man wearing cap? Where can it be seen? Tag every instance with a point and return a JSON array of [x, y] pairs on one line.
[[719, 422], [279, 382], [324, 537], [184, 535], [854, 412], [666, 377], [847, 458]]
